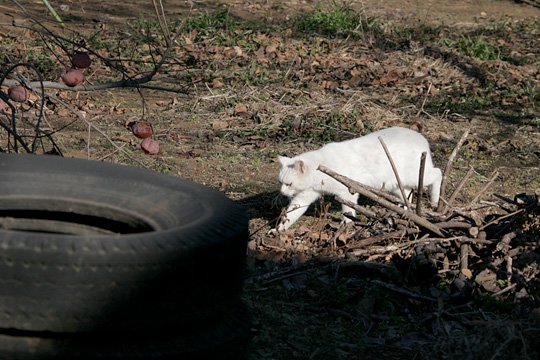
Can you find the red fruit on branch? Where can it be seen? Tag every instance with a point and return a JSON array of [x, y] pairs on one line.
[[18, 93], [81, 60], [72, 77], [141, 129]]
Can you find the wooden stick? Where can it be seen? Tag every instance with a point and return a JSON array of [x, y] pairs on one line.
[[404, 292], [458, 189], [463, 259], [339, 231], [420, 189], [449, 166], [362, 210], [509, 262], [505, 242], [467, 240], [453, 225], [355, 188], [394, 169], [378, 238], [499, 219], [384, 194], [484, 188]]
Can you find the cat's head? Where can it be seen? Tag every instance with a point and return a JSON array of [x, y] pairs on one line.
[[295, 175]]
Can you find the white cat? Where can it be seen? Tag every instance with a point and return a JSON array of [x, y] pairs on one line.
[[362, 159]]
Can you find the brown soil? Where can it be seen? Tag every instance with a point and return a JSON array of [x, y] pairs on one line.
[[255, 94], [460, 12]]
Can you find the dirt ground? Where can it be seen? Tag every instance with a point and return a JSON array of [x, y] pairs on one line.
[[257, 88], [460, 12]]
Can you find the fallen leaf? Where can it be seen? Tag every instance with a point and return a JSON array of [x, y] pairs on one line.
[[355, 72], [387, 78], [229, 52], [467, 273], [238, 50], [220, 124], [327, 84], [216, 84], [508, 101], [260, 38], [240, 109], [150, 146], [270, 49]]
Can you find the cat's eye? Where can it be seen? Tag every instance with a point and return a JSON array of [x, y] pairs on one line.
[[287, 184]]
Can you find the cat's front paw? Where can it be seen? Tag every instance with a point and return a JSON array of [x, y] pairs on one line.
[[273, 232], [280, 228]]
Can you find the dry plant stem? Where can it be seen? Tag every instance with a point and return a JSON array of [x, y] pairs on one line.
[[73, 111], [453, 225], [127, 83], [24, 82], [499, 219], [458, 189], [449, 166], [405, 200], [420, 187], [505, 242], [281, 273], [130, 81], [463, 258], [375, 239], [484, 188], [505, 290], [424, 101], [467, 240], [162, 20], [382, 193], [509, 262], [362, 210], [404, 292], [285, 276], [340, 230], [354, 187], [423, 240]]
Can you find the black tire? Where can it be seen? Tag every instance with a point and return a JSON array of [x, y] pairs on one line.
[[93, 247], [226, 339]]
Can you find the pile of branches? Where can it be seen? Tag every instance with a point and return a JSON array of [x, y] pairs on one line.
[[470, 251], [495, 254]]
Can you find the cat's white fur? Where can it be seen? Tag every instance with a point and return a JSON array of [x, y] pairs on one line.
[[362, 159]]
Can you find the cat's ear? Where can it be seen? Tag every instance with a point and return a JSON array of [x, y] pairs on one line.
[[284, 161], [299, 166]]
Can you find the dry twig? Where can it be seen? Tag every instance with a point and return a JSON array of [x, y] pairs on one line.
[[458, 189], [404, 292], [484, 189], [449, 166], [420, 190], [356, 187], [396, 174]]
